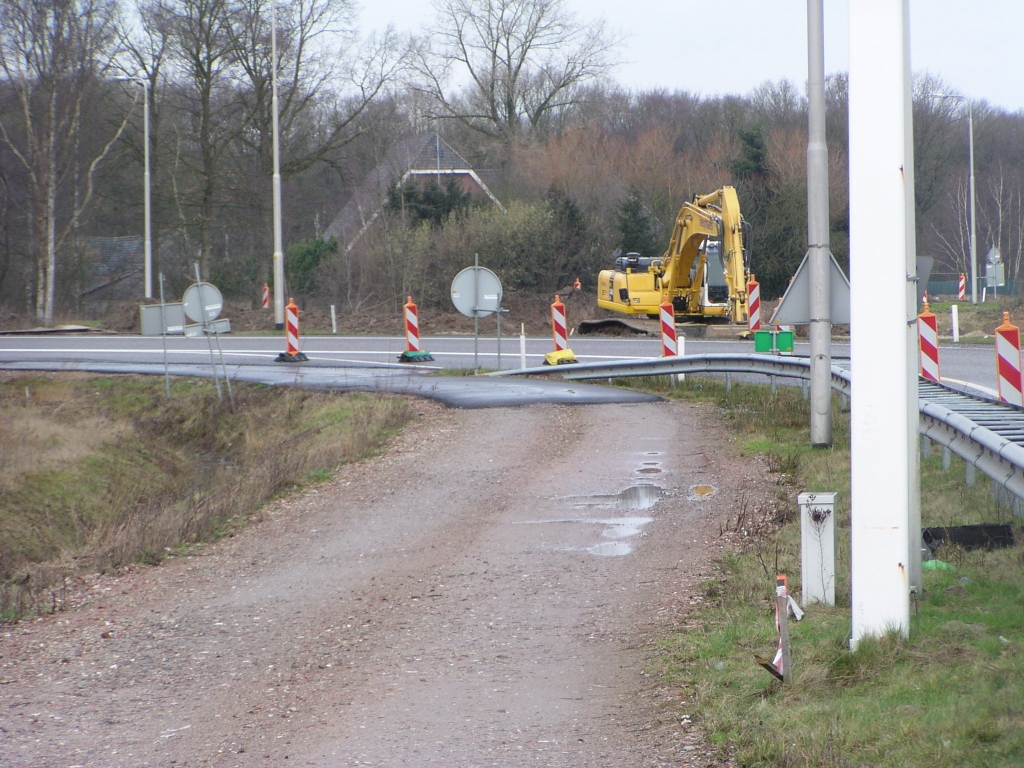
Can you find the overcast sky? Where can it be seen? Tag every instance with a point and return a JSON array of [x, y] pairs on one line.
[[974, 45]]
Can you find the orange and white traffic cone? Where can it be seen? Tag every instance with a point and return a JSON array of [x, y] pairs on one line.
[[266, 296], [413, 353], [291, 336]]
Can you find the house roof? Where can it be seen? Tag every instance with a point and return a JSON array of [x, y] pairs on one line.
[[419, 155]]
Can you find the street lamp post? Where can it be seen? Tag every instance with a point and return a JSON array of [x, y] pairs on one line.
[[147, 197], [278, 248], [974, 220]]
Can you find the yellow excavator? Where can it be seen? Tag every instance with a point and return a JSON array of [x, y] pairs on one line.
[[703, 273]]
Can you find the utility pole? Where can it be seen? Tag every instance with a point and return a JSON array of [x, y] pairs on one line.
[[278, 248], [819, 254], [883, 421]]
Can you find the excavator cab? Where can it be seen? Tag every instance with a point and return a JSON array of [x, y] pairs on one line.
[[716, 290]]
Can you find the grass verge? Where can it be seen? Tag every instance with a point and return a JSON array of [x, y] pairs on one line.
[[96, 472], [950, 695]]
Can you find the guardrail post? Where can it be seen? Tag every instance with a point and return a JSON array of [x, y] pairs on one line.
[[926, 448], [947, 457], [970, 474]]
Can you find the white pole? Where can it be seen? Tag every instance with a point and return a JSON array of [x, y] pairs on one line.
[[278, 248], [818, 251], [680, 352], [974, 223], [334, 321], [881, 162], [954, 321], [148, 271], [522, 345]]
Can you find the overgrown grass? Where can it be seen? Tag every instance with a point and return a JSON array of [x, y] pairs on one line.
[[950, 695], [99, 472]]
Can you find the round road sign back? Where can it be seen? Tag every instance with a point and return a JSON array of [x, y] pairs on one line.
[[199, 296], [476, 292]]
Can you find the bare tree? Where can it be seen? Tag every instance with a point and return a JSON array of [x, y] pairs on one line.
[[204, 41], [53, 53], [146, 52], [318, 56], [522, 60]]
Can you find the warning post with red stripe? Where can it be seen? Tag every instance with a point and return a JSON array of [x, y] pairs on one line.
[[753, 305], [413, 352], [1008, 362], [928, 343], [292, 353]]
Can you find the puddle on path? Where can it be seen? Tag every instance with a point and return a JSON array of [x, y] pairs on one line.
[[636, 498], [701, 492], [611, 549]]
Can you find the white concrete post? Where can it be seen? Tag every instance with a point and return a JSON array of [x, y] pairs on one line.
[[880, 312], [818, 548], [954, 321]]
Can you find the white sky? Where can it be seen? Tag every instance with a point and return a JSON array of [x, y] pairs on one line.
[[731, 46]]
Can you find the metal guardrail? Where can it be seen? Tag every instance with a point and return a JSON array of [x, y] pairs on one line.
[[731, 362], [984, 432]]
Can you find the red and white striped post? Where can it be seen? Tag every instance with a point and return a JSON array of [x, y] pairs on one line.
[[753, 305], [291, 352], [412, 326], [961, 288], [558, 326], [413, 351], [1008, 362], [291, 328], [266, 296], [928, 343], [669, 343]]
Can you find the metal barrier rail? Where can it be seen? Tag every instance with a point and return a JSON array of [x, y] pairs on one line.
[[984, 432], [731, 362]]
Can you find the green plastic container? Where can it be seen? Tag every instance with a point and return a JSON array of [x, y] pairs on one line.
[[763, 341], [784, 342]]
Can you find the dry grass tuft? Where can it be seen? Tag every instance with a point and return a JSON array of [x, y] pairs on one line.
[[106, 471]]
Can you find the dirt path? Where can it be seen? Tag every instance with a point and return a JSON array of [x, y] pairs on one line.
[[484, 594]]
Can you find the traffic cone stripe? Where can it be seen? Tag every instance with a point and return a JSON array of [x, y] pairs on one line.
[[961, 290], [266, 296]]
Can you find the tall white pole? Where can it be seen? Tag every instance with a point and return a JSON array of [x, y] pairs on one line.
[[278, 248], [881, 179], [974, 229], [147, 205], [819, 253]]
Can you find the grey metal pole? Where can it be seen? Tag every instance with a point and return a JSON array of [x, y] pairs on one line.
[[278, 248], [476, 310], [209, 341], [148, 208], [819, 253], [163, 336], [974, 223]]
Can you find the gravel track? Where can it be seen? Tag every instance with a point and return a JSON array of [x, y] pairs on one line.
[[487, 592]]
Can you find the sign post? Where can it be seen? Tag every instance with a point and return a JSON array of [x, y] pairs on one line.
[[476, 293]]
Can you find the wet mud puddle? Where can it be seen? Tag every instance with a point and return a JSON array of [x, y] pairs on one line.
[[619, 532]]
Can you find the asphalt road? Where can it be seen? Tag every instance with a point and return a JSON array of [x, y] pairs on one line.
[[969, 363]]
